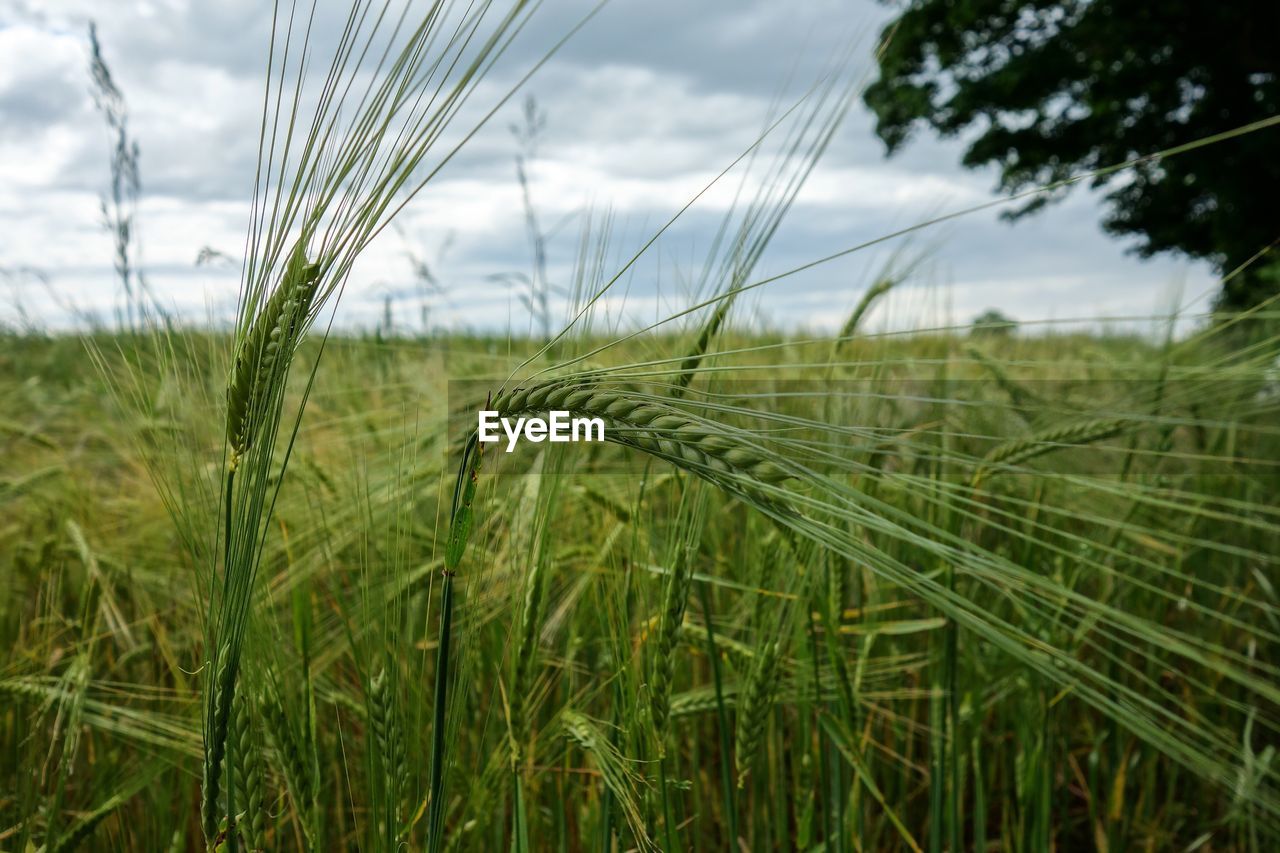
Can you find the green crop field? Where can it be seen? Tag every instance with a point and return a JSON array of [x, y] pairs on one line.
[[964, 586], [950, 591]]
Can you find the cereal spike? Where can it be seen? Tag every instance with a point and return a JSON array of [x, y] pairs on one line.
[[250, 782], [289, 754], [526, 656], [224, 685], [273, 332], [753, 706], [390, 743], [654, 427], [675, 596], [1021, 450]]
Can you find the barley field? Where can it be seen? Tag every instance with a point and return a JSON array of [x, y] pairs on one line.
[[934, 591], [946, 586]]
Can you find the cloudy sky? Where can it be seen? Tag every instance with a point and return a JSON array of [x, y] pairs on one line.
[[649, 102]]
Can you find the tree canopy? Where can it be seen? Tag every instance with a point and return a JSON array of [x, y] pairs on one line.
[[1046, 90]]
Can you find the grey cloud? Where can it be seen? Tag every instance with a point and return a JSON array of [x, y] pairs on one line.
[[662, 93]]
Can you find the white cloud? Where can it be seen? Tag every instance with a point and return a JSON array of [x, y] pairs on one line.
[[648, 104]]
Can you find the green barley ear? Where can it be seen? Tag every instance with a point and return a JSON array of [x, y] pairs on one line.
[[216, 744], [700, 700], [895, 271], [873, 294], [526, 657], [1025, 449], [675, 597], [83, 829], [618, 777], [738, 653], [689, 367], [1022, 399], [263, 356], [707, 449], [753, 708], [389, 742], [250, 778], [290, 756]]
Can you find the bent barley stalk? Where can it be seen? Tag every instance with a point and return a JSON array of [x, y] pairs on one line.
[[705, 448], [701, 700], [618, 778], [83, 829], [850, 328]]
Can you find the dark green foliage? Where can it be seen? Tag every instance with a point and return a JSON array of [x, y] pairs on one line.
[[1058, 88], [993, 322]]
